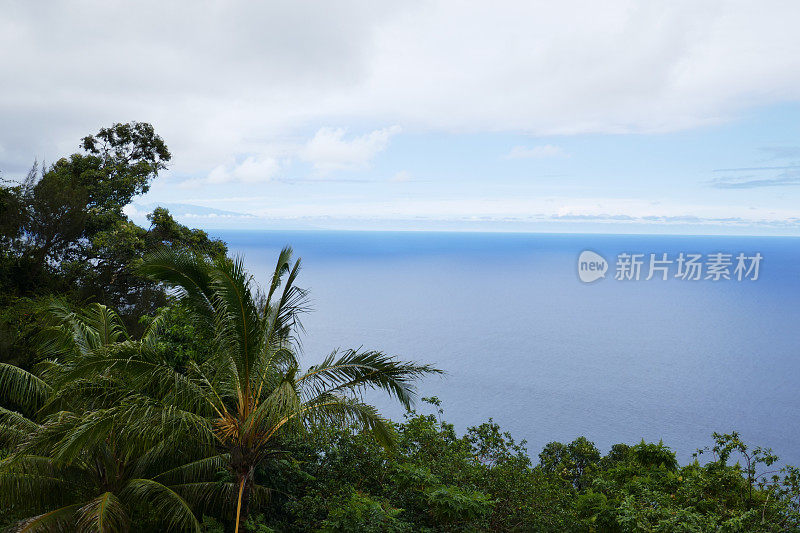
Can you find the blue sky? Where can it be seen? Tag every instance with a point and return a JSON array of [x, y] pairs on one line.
[[740, 176], [622, 116]]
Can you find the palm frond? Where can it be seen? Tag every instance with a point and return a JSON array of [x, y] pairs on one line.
[[14, 427], [278, 408], [334, 410], [104, 514], [61, 333], [283, 316], [271, 370], [218, 496], [171, 509], [77, 331], [281, 268], [208, 495], [65, 436], [144, 422], [139, 372], [35, 483], [356, 370], [202, 468], [185, 272], [135, 427], [55, 521], [239, 318], [106, 324], [22, 388], [152, 332]]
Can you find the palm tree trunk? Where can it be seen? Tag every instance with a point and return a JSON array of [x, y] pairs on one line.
[[239, 502]]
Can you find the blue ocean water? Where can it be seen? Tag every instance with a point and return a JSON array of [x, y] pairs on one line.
[[550, 358]]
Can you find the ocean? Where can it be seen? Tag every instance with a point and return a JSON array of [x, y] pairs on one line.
[[524, 341]]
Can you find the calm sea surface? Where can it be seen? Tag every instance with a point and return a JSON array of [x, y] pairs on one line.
[[550, 358]]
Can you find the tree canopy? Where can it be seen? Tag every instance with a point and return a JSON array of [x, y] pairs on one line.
[[63, 231]]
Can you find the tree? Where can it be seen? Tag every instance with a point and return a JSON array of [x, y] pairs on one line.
[[250, 392], [53, 215], [55, 481], [120, 163], [63, 231], [574, 462]]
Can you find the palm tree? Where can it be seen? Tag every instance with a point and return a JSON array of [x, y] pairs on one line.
[[251, 391], [63, 482]]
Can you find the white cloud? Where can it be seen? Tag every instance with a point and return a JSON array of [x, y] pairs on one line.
[[251, 170], [516, 209], [329, 150], [402, 176], [536, 152], [134, 212], [233, 76]]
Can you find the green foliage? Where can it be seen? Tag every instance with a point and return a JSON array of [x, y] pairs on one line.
[[435, 480], [63, 231], [120, 162], [69, 468], [210, 524], [203, 418], [575, 463], [453, 505], [642, 488], [181, 341], [359, 512], [18, 330]]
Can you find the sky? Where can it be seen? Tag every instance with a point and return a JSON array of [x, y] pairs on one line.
[[576, 116]]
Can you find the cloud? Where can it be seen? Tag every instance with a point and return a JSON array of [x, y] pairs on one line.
[[231, 77], [140, 211], [250, 170], [402, 177], [758, 177], [536, 152], [329, 150], [596, 218], [782, 152], [497, 208], [783, 179], [742, 169]]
